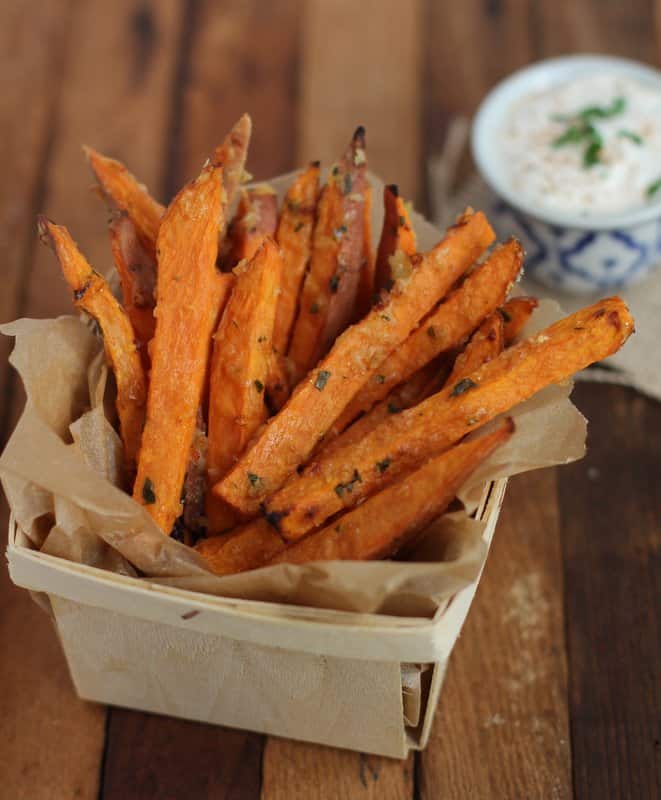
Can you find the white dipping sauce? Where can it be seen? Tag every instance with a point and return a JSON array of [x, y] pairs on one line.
[[555, 177]]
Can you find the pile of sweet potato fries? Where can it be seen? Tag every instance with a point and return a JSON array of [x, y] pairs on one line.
[[285, 395]]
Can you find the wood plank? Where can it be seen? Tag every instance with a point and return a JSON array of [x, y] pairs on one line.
[[362, 65], [610, 510], [116, 98], [150, 757], [33, 40], [502, 726], [299, 771], [469, 47], [41, 722], [243, 57], [596, 26]]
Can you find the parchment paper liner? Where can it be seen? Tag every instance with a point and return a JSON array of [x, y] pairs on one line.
[[60, 465]]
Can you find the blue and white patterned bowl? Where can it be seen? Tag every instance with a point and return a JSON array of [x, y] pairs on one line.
[[566, 251]]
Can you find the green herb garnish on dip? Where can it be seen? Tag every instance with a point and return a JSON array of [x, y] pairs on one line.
[[654, 188], [586, 147]]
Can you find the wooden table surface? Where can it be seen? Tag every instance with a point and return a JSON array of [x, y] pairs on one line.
[[554, 689]]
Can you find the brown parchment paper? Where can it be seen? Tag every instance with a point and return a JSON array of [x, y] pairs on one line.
[[61, 467]]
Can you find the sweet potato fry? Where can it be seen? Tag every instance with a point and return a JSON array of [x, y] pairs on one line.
[[423, 383], [396, 234], [124, 192], [484, 345], [329, 289], [366, 288], [294, 236], [187, 292], [290, 437], [239, 368], [92, 294], [393, 517], [231, 156], [515, 313], [445, 328], [406, 440], [255, 219], [136, 266], [247, 547]]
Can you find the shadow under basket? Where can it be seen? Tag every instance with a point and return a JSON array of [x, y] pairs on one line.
[[365, 682]]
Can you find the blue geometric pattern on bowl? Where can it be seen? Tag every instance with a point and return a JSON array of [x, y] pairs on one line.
[[579, 260]]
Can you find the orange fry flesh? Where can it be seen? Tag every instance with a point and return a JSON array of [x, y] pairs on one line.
[[515, 313], [405, 440], [486, 343], [396, 234], [188, 295], [366, 287], [391, 518], [136, 267], [290, 437], [256, 218], [239, 368], [424, 382], [92, 294], [247, 547], [294, 236], [329, 290], [444, 328], [123, 190]]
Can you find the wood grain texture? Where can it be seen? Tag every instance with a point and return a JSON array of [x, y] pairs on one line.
[[300, 771], [502, 726], [33, 40], [610, 508], [115, 97], [469, 47], [160, 758], [362, 65], [37, 701], [595, 26], [242, 57]]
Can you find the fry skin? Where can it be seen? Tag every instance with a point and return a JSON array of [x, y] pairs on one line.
[[396, 234], [445, 328], [290, 437], [125, 193], [188, 297], [239, 368], [136, 266], [393, 517], [420, 385], [92, 294], [407, 439], [329, 290], [247, 547], [366, 289], [255, 219], [294, 236], [515, 313], [486, 343]]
